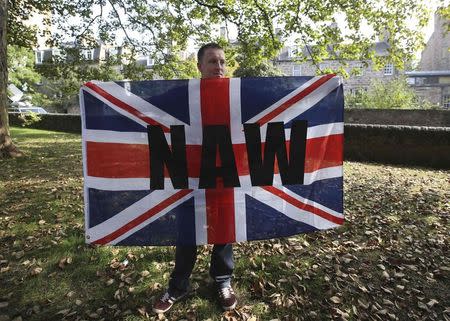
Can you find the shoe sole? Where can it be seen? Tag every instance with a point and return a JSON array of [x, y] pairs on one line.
[[178, 299], [230, 307], [161, 311]]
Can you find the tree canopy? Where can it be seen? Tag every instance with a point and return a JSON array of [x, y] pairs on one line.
[[164, 28]]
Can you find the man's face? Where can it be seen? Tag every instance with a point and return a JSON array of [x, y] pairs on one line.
[[212, 64]]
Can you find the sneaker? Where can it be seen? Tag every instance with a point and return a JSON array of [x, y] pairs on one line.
[[227, 298], [166, 301]]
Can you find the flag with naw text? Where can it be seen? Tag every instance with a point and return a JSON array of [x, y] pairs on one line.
[[211, 161]]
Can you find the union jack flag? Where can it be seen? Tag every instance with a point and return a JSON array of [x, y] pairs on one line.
[[122, 209]]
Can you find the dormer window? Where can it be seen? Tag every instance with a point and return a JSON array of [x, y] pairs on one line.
[[39, 56], [88, 54]]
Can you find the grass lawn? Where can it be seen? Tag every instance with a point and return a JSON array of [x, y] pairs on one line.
[[390, 260]]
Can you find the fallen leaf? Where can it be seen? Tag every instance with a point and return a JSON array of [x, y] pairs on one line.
[[432, 302], [36, 271]]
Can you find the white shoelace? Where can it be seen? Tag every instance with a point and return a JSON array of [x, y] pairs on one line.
[[226, 292], [166, 298]]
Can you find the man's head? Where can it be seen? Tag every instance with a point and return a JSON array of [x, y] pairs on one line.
[[211, 61]]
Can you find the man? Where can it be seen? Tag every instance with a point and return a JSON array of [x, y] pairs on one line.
[[211, 64]]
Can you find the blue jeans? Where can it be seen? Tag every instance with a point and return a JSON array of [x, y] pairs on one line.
[[221, 267]]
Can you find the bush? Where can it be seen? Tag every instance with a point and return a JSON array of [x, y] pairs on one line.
[[394, 94]]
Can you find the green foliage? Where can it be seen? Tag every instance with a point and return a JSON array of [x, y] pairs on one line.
[[264, 69], [64, 77], [162, 28], [29, 118], [394, 94], [444, 11], [21, 67], [23, 74]]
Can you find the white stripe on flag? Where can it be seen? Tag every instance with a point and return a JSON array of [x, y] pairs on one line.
[[324, 130], [139, 104], [115, 107], [130, 213], [201, 224], [312, 203], [109, 136], [280, 102], [321, 174], [130, 184], [292, 211], [195, 129], [240, 220], [236, 126], [304, 104], [83, 147]]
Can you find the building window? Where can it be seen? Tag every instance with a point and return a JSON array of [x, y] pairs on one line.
[[223, 32], [150, 62], [112, 53], [292, 52], [39, 56], [389, 69], [88, 54], [446, 101], [296, 70]]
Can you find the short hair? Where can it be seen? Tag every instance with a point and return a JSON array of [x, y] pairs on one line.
[[201, 51]]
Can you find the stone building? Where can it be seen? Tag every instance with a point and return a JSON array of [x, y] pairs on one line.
[[432, 80], [362, 72]]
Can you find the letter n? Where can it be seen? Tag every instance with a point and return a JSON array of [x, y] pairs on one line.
[[161, 154], [262, 170]]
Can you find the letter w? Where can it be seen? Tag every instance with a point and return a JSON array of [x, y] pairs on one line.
[[262, 170], [160, 155]]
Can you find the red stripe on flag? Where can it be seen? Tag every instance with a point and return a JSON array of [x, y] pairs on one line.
[[295, 202], [215, 109], [114, 160], [142, 218], [305, 92], [123, 105], [323, 152]]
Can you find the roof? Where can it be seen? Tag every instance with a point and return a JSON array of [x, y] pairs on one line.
[[16, 93], [381, 49]]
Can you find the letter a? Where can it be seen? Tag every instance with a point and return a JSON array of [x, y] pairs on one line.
[[217, 137]]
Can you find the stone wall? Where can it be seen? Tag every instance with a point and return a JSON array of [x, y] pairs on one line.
[[406, 145], [412, 117]]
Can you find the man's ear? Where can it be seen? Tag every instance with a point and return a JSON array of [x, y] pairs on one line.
[[198, 67]]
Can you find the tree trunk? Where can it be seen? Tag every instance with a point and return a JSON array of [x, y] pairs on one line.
[[7, 148]]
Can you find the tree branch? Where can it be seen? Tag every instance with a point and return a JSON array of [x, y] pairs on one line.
[[131, 41], [268, 22], [90, 23], [210, 6]]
